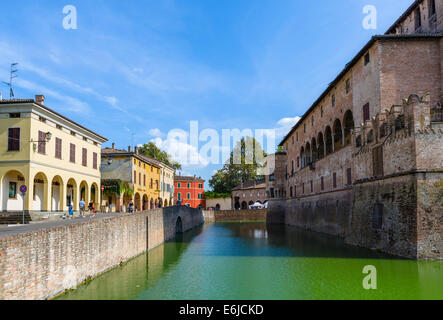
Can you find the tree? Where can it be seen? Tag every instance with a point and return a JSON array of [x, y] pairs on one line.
[[151, 150], [244, 164]]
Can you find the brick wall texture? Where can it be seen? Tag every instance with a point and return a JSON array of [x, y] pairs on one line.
[[42, 264]]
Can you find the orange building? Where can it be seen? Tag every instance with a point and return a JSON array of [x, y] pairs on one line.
[[189, 191]]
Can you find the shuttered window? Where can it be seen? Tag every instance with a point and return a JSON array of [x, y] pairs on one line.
[[322, 184], [334, 180], [58, 148], [94, 160], [41, 142], [377, 161], [366, 114], [72, 153], [14, 139], [135, 177], [349, 176], [84, 157]]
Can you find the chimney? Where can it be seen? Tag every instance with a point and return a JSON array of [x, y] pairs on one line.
[[136, 150], [129, 149], [40, 99], [113, 146]]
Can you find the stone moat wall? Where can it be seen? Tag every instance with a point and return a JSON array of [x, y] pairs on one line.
[[44, 263], [401, 215], [235, 215]]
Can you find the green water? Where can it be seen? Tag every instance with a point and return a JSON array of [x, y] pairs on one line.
[[254, 261]]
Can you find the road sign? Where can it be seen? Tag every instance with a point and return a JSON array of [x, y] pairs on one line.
[[103, 188], [23, 189]]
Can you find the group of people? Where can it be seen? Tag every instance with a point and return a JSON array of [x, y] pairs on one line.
[[82, 205]]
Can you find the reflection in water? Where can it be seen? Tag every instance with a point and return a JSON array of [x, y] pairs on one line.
[[256, 261]]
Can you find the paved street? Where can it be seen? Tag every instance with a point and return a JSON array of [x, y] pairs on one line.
[[6, 231]]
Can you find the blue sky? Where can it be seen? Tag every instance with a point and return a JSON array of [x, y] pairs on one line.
[[134, 70]]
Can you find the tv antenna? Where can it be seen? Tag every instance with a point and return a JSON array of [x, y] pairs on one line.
[[12, 76]]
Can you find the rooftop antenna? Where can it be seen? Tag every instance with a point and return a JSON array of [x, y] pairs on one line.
[[13, 75]]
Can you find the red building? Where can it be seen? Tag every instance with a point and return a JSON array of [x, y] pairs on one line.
[[190, 191]]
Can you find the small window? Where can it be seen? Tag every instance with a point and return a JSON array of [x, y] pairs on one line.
[[312, 186], [322, 181], [189, 196], [14, 115], [179, 185], [41, 119], [312, 121], [72, 133], [349, 176], [189, 185], [59, 127], [304, 128], [333, 100], [432, 9], [85, 139], [377, 216], [348, 86], [321, 111], [135, 177], [179, 196], [367, 58], [291, 192], [366, 112], [334, 180], [296, 135]]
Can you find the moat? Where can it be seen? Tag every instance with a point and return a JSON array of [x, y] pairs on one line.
[[225, 261]]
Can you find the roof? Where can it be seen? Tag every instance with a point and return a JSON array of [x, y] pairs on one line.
[[404, 15], [142, 157], [116, 152], [27, 101], [188, 178], [352, 63], [257, 186]]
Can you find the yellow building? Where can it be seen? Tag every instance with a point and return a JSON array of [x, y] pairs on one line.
[[54, 157], [131, 177]]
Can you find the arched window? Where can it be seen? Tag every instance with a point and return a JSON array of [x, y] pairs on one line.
[[328, 135], [302, 157], [314, 150], [370, 138], [321, 146], [308, 154], [338, 135], [348, 127]]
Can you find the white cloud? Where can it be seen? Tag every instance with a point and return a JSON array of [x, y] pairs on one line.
[[176, 145], [156, 133], [285, 125]]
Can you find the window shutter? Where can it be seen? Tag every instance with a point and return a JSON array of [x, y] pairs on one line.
[[94, 160], [14, 139], [349, 174], [135, 177], [84, 157], [58, 148], [41, 142], [72, 153], [366, 115]]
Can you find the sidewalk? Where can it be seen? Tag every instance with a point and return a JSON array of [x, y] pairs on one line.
[[6, 231]]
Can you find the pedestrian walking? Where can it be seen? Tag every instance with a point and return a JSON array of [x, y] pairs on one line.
[[71, 211], [131, 207], [91, 208], [82, 208]]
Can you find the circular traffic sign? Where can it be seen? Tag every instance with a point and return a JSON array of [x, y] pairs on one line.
[[103, 188], [23, 189]]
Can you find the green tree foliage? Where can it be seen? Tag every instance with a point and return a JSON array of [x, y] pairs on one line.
[[215, 195], [243, 165], [151, 150]]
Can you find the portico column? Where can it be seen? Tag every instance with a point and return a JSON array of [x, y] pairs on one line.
[[63, 195]]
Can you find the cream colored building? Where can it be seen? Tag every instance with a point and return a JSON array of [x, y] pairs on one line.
[[167, 184], [57, 159], [219, 204]]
